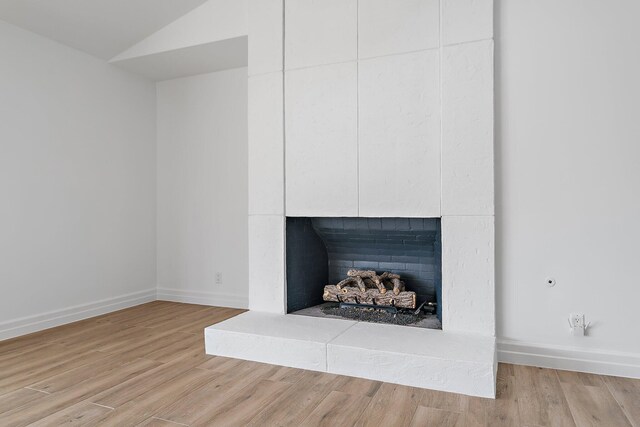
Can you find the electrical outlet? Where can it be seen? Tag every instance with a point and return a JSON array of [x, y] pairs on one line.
[[577, 324], [218, 278], [577, 320]]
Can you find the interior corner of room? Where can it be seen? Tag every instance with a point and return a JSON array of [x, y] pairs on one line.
[[124, 174]]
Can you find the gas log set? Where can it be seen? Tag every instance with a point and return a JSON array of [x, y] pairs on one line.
[[366, 287]]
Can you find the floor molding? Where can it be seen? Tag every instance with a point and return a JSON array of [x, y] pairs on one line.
[[204, 298], [29, 324], [570, 358]]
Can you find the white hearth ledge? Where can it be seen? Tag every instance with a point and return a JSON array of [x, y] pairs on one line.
[[286, 340], [417, 357]]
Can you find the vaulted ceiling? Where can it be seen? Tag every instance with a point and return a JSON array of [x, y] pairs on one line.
[[102, 28]]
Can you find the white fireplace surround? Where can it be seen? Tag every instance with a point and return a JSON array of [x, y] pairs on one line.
[[372, 108]]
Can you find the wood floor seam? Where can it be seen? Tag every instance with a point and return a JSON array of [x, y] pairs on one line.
[[169, 421], [622, 406], [102, 406], [35, 389]]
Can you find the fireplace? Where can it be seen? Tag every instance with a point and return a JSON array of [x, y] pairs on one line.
[[323, 251], [360, 132]]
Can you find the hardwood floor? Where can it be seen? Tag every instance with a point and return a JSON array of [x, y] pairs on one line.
[[145, 366]]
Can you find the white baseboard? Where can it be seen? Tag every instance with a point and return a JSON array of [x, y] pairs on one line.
[[570, 359], [204, 298], [29, 324]]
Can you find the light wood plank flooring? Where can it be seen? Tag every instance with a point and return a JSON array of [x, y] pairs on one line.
[[145, 366]]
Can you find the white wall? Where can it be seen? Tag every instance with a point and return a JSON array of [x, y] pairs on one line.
[[202, 188], [77, 185], [210, 38], [214, 20], [568, 150]]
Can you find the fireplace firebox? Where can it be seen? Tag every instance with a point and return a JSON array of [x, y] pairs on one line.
[[323, 251]]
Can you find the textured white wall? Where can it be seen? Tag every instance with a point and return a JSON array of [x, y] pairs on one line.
[[568, 179], [266, 156], [77, 184], [202, 188]]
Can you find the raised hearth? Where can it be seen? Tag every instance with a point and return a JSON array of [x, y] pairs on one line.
[[415, 357]]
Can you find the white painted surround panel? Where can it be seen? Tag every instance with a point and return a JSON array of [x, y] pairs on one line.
[[386, 27], [267, 263], [320, 32], [266, 144], [468, 264], [399, 135], [467, 127], [466, 21], [265, 44], [321, 141]]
